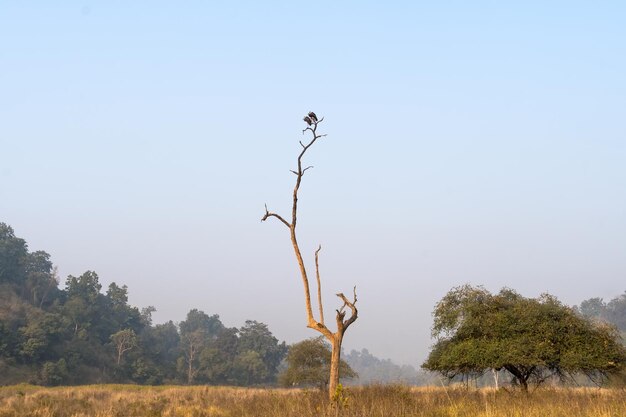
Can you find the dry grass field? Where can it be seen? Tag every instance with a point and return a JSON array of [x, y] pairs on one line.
[[383, 401]]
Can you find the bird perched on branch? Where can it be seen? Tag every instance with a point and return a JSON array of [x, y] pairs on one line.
[[313, 116], [308, 120]]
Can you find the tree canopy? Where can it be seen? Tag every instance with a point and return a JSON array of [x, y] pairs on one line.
[[531, 338], [308, 363]]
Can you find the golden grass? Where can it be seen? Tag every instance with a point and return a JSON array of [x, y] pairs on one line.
[[372, 401]]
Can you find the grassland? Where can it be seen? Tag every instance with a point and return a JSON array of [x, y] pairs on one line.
[[383, 401]]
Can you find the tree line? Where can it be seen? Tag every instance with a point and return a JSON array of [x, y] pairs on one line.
[[80, 334]]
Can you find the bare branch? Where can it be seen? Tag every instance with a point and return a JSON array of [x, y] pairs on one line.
[[305, 169], [279, 217], [352, 306], [319, 284]]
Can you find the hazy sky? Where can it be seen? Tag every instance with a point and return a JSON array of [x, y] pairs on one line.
[[468, 142]]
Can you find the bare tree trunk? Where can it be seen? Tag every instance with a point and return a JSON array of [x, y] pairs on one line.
[[335, 360], [496, 376], [335, 338], [190, 372]]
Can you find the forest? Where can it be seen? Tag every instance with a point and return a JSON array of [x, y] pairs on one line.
[[82, 334]]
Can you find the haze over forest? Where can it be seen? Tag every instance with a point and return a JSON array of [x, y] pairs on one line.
[[479, 144]]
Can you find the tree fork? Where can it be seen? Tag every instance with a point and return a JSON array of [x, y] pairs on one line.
[[335, 338]]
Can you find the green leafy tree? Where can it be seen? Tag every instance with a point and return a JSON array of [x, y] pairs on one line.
[[123, 341], [120, 315], [217, 359], [249, 368], [39, 336], [532, 339], [13, 254], [308, 363], [54, 373], [159, 349], [195, 333], [41, 283], [256, 337]]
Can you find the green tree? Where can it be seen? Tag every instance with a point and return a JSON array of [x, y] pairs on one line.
[[195, 333], [249, 368], [217, 359], [533, 339], [54, 373], [256, 337], [159, 349], [13, 254], [40, 334], [308, 363], [123, 341], [41, 284]]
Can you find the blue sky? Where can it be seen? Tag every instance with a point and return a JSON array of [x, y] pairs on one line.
[[481, 143]]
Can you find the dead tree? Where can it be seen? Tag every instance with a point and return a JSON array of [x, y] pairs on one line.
[[335, 338]]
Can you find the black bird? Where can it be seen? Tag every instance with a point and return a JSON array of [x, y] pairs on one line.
[[313, 116], [308, 120]]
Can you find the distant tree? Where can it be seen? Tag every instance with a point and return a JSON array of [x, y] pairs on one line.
[[41, 281], [216, 363], [156, 358], [383, 371], [13, 254], [87, 286], [533, 339], [308, 363], [593, 308], [616, 312], [334, 338], [195, 333], [121, 315], [41, 332], [123, 341], [146, 315], [54, 373], [248, 368], [256, 337]]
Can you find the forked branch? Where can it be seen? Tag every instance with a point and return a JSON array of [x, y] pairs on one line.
[[278, 216], [352, 306]]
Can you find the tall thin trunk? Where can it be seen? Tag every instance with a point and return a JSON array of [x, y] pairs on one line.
[[496, 376], [335, 360]]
